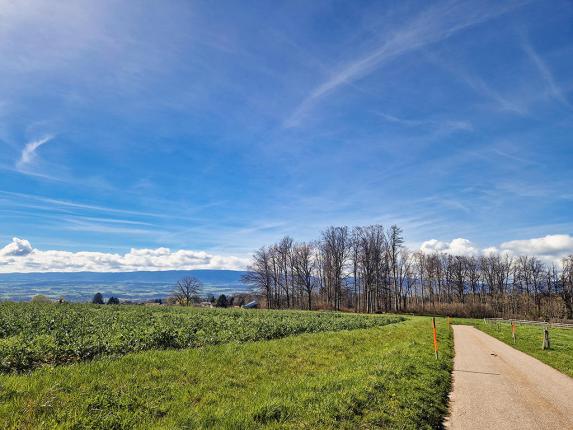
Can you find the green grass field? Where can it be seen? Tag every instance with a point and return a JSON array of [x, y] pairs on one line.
[[377, 377], [529, 339]]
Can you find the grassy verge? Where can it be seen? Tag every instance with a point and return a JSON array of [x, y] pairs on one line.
[[382, 377], [529, 340]]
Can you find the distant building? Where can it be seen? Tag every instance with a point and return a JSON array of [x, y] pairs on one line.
[[251, 305]]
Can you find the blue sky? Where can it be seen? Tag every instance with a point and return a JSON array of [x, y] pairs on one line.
[[218, 127]]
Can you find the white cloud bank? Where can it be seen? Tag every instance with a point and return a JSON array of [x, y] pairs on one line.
[[557, 245], [550, 248], [20, 256]]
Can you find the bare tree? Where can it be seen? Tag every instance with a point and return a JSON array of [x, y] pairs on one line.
[[458, 269], [284, 254], [566, 287], [473, 276], [405, 276], [354, 256], [303, 266], [187, 290], [335, 246], [395, 242], [259, 274], [420, 272], [372, 267]]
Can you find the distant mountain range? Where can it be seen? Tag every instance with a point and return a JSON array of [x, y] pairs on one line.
[[135, 286]]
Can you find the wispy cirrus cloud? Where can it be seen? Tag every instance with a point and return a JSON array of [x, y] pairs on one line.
[[60, 205], [479, 86], [431, 26], [483, 88], [445, 125], [546, 74], [123, 227], [28, 154]]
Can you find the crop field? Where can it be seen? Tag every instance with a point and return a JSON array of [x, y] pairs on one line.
[[32, 335], [380, 376], [529, 339]]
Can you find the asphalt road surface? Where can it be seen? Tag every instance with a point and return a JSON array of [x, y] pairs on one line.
[[499, 387]]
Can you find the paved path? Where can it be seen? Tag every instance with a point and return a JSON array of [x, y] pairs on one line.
[[499, 387]]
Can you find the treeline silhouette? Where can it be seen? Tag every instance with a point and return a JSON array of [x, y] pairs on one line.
[[368, 269]]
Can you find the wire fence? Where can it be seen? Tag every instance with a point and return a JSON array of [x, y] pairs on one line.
[[559, 335], [526, 322]]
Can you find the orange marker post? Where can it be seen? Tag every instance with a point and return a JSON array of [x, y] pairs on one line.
[[435, 337]]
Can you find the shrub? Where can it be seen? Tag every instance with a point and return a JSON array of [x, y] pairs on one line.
[[40, 298], [98, 299], [221, 301]]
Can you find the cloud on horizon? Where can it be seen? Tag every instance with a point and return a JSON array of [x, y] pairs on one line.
[[550, 248], [17, 248], [20, 256], [457, 246], [556, 245]]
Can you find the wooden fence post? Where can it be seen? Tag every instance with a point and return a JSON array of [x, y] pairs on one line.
[[546, 339], [435, 336], [513, 331]]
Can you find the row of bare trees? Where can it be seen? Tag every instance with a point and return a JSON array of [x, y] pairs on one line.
[[368, 269]]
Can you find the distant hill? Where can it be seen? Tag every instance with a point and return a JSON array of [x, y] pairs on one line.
[[145, 276], [137, 286]]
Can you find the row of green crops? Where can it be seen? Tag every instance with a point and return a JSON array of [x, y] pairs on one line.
[[32, 335]]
